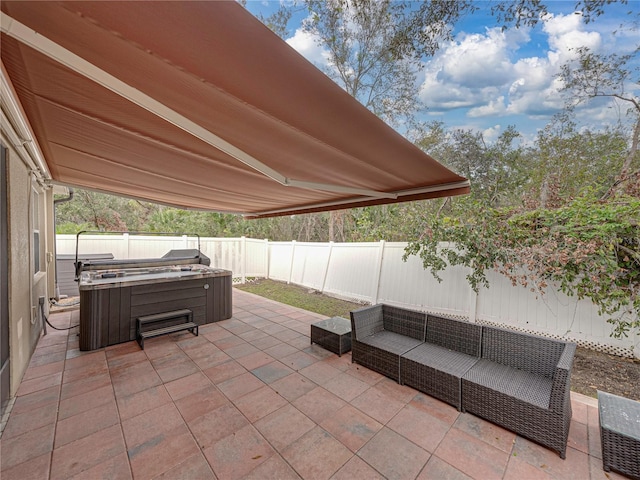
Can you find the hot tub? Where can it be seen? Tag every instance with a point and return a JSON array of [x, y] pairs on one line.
[[111, 299]]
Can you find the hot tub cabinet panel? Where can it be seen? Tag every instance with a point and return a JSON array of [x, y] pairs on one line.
[[108, 315]]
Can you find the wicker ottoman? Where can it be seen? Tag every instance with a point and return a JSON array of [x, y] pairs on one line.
[[334, 334], [620, 434]]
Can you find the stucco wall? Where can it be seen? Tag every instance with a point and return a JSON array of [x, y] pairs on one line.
[[25, 288]]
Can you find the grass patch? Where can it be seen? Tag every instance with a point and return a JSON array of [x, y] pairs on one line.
[[300, 297]]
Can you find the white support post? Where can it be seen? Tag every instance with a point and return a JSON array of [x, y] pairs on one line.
[[378, 273], [125, 240], [326, 268], [473, 305], [636, 343], [266, 258], [293, 252], [243, 259], [185, 242]]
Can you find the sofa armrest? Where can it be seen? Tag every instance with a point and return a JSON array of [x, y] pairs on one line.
[[560, 390], [366, 321]]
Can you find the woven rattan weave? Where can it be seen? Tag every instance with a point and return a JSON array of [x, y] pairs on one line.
[[620, 434], [513, 379]]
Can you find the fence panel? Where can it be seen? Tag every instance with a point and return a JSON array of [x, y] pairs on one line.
[[353, 269], [554, 314], [117, 245], [309, 264], [142, 246], [280, 256], [224, 253], [409, 284], [256, 258]]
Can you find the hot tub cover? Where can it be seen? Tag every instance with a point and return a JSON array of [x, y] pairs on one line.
[[199, 105]]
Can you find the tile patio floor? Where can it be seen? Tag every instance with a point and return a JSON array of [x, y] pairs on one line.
[[251, 398]]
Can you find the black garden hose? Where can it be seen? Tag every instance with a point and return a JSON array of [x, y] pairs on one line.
[[49, 323]]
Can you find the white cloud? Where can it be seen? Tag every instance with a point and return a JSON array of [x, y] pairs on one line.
[[495, 107], [305, 44], [479, 71], [566, 35], [491, 134], [478, 60], [471, 71]]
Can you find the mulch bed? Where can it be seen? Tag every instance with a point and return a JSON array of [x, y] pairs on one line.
[[599, 371]]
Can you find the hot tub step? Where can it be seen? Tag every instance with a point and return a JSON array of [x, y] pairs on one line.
[[143, 323]]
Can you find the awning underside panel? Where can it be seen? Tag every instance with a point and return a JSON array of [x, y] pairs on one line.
[[235, 79]]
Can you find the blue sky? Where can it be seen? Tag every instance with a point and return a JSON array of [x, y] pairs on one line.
[[487, 79]]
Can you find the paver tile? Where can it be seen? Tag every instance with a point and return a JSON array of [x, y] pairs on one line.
[[34, 469], [293, 386], [162, 453], [378, 404], [272, 372], [86, 453], [351, 427], [37, 400], [85, 385], [320, 373], [224, 371], [575, 466], [275, 467], [22, 423], [83, 424], [578, 436], [346, 387], [357, 469], [238, 454], [208, 429], [238, 351], [486, 431], [298, 360], [255, 360], [236, 387], [43, 370], [27, 446], [418, 426], [393, 455], [188, 385], [259, 403], [141, 402], [435, 408], [194, 467], [200, 403], [284, 426], [316, 454], [86, 401], [281, 350], [114, 468], [437, 468], [319, 404], [40, 383], [480, 460], [151, 424]]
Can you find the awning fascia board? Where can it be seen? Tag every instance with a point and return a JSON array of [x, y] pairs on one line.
[[404, 193], [63, 56]]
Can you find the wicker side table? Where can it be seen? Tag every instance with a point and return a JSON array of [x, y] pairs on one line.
[[620, 434], [334, 334]]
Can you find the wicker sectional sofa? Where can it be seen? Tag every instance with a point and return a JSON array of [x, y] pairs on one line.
[[513, 379]]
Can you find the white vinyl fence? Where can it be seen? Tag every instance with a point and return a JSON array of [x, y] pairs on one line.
[[375, 273]]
